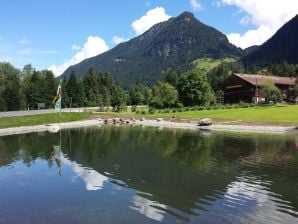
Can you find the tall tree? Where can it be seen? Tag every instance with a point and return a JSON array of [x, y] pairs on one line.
[[164, 95], [91, 88], [35, 90], [270, 92], [50, 86], [194, 88], [10, 88], [136, 93], [72, 89]]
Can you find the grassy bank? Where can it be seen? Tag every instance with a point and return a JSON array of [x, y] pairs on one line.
[[6, 122], [284, 115]]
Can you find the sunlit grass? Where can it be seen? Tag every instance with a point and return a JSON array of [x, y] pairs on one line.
[[41, 119]]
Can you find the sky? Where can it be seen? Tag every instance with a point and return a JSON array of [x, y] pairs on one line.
[[58, 33]]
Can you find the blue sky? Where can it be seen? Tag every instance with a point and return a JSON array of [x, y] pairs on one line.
[[55, 34]]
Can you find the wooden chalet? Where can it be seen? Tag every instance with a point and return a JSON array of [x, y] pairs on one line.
[[246, 87]]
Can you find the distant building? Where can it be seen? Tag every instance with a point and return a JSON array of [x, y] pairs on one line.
[[246, 87]]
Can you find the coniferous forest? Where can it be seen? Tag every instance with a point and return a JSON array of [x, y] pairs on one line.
[[26, 88]]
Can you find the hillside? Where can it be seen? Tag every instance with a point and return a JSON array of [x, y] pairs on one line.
[[175, 44], [281, 46]]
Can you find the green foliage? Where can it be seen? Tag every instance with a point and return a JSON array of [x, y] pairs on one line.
[[171, 77], [137, 93], [152, 110], [50, 86], [164, 95], [194, 89], [72, 90], [91, 88], [34, 90], [283, 69], [10, 87], [271, 92]]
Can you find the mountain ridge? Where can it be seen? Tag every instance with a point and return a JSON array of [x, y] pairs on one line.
[[283, 45], [175, 43]]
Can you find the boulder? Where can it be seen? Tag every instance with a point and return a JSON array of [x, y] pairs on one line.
[[205, 122], [159, 119], [116, 120], [142, 119]]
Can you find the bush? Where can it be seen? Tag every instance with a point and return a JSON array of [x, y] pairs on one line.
[[179, 105], [152, 110], [134, 108]]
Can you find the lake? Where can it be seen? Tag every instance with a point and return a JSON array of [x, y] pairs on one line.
[[120, 174]]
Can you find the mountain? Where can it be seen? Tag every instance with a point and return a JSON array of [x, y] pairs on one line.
[[175, 44], [250, 49], [283, 45]]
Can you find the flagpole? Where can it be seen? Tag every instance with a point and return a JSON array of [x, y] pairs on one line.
[[60, 109]]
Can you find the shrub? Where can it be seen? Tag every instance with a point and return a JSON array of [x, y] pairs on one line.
[[152, 110], [134, 108]]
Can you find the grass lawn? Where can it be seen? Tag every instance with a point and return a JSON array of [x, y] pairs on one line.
[[279, 115], [41, 119], [284, 114], [273, 114], [210, 63]]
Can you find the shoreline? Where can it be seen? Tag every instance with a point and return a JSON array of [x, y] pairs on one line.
[[154, 123]]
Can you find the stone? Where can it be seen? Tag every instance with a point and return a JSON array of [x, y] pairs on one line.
[[205, 122], [142, 119], [159, 119]]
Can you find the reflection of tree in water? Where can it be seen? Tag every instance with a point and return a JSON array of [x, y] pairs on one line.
[[175, 167], [26, 147]]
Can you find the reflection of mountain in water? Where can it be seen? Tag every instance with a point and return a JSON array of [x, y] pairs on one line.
[[93, 179], [176, 171]]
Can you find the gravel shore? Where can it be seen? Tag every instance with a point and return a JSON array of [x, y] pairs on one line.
[[237, 128], [152, 123]]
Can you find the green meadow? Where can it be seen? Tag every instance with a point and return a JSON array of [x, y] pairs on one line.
[[279, 114], [28, 120]]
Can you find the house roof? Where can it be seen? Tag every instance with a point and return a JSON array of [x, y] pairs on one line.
[[255, 79]]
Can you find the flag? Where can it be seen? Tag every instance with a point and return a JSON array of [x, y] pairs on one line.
[[57, 99]]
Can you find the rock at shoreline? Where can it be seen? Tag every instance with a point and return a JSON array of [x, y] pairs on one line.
[[159, 119], [205, 122]]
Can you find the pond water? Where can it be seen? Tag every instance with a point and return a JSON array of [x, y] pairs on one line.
[[146, 175]]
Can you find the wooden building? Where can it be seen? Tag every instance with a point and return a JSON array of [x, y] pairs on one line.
[[246, 87]]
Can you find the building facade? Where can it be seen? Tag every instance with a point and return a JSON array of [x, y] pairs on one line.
[[246, 87]]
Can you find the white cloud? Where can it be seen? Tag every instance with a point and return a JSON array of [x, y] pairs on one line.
[[24, 41], [75, 47], [117, 40], [93, 180], [150, 209], [92, 47], [25, 51], [151, 18], [196, 6], [267, 15], [251, 37], [245, 20]]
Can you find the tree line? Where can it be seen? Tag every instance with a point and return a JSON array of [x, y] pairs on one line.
[[26, 88]]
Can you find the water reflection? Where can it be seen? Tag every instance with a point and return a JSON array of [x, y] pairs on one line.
[[93, 179], [145, 175], [150, 209]]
